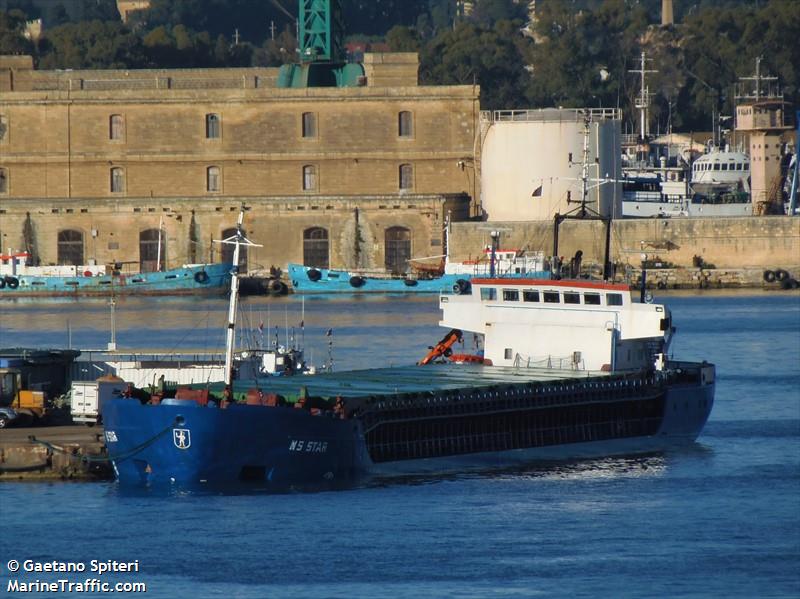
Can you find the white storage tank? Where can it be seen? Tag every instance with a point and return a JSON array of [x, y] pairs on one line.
[[531, 162]]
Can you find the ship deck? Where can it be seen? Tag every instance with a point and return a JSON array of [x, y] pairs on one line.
[[411, 379]]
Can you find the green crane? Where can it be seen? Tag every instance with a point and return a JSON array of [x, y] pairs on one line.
[[321, 46]]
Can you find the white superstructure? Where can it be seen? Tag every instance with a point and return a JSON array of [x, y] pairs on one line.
[[577, 325]]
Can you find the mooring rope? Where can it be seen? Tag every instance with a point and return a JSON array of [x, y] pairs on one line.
[[92, 458]]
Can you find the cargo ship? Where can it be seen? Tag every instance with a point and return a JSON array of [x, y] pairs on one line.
[[569, 369]]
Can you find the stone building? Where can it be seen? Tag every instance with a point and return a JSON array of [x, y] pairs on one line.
[[98, 159]]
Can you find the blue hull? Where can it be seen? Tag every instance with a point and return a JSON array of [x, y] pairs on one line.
[[205, 278], [179, 444], [342, 281]]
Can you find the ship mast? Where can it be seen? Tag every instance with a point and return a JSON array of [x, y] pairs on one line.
[[237, 240], [643, 100]]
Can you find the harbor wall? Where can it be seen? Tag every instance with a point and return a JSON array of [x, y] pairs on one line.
[[745, 242], [352, 229]]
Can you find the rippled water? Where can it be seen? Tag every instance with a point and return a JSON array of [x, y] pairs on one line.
[[721, 518]]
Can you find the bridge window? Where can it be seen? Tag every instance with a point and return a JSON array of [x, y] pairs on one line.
[[593, 299], [212, 126], [488, 293], [397, 241], [613, 299], [70, 247], [551, 297], [152, 250], [226, 251], [572, 297], [316, 248], [530, 296], [510, 295]]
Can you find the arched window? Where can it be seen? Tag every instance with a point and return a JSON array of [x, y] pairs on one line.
[[117, 180], [150, 242], [397, 242], [212, 126], [406, 176], [3, 128], [116, 129], [405, 124], [309, 124], [309, 177], [226, 253], [3, 180], [213, 179], [70, 247], [316, 250]]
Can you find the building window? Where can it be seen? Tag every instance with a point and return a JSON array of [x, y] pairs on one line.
[[152, 250], [3, 181], [212, 126], [405, 124], [70, 247], [226, 252], [3, 128], [397, 241], [406, 176], [309, 124], [316, 248], [309, 177], [116, 129], [117, 180], [213, 179]]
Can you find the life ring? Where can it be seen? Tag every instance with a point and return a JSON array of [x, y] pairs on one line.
[[275, 287], [461, 287], [769, 276], [87, 273], [12, 282], [781, 275], [410, 282], [661, 285], [313, 275], [201, 276], [356, 281]]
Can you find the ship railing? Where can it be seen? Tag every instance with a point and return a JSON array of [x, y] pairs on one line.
[[571, 362], [550, 115]]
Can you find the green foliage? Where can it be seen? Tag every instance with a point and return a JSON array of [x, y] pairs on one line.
[[473, 54], [11, 39], [577, 53]]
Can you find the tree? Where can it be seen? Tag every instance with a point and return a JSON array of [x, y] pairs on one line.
[[489, 57], [11, 39]]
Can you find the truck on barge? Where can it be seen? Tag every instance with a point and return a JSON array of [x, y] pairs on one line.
[[569, 369]]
